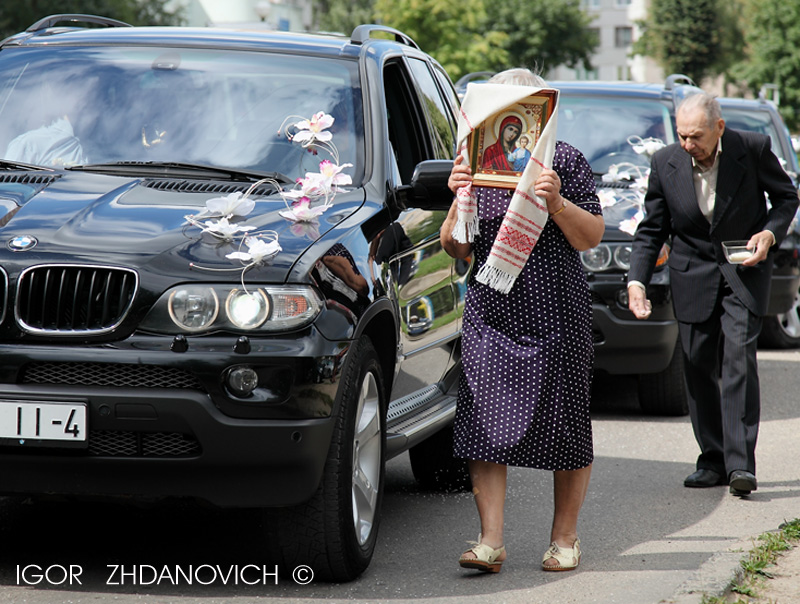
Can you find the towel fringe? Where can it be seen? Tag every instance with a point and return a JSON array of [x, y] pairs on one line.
[[496, 278]]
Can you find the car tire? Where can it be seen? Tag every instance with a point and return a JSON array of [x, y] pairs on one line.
[[664, 393], [334, 533], [783, 330], [435, 468]]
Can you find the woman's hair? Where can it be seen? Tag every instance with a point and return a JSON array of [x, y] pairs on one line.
[[518, 76]]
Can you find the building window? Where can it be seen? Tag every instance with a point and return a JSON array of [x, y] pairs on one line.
[[623, 72], [622, 3], [591, 4], [623, 36], [586, 74]]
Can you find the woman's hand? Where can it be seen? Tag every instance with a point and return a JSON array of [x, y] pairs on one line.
[[582, 229], [460, 175], [548, 187]]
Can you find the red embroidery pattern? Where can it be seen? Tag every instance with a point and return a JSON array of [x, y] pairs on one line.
[[516, 240]]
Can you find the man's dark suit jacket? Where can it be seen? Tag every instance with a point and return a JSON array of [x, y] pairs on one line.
[[747, 170]]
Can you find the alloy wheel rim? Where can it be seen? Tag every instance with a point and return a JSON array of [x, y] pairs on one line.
[[367, 455]]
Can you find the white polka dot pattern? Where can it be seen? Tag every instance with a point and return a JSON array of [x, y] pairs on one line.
[[527, 355]]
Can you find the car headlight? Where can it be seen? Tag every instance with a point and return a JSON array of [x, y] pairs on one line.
[[616, 257], [247, 310], [607, 257], [597, 258], [622, 256], [195, 308]]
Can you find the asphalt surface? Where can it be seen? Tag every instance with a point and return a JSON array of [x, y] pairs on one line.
[[646, 538]]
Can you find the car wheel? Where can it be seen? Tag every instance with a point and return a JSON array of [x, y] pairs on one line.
[[783, 330], [434, 466], [335, 532], [664, 393]]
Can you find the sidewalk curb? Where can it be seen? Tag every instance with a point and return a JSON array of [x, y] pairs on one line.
[[715, 576]]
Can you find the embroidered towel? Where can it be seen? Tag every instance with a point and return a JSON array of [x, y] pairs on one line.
[[527, 213]]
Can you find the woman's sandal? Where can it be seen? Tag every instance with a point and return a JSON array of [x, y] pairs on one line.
[[486, 557], [567, 558]]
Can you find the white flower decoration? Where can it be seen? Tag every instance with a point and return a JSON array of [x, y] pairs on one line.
[[223, 229], [607, 197], [234, 204], [314, 130], [258, 250], [629, 226], [616, 174], [301, 211], [645, 146]]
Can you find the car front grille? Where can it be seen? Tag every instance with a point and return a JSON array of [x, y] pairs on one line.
[[112, 443], [114, 375], [74, 299], [3, 294]]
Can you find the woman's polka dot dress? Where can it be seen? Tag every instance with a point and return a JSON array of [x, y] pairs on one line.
[[527, 355]]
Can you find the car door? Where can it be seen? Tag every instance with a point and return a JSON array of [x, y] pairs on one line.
[[421, 126]]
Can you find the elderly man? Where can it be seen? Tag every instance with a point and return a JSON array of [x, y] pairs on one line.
[[710, 188]]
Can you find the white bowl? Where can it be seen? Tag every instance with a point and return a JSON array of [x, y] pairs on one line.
[[736, 252]]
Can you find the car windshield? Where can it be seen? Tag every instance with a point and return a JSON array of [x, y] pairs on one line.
[[603, 128], [223, 108]]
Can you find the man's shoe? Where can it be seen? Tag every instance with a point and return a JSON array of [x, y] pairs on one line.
[[703, 479], [742, 483]]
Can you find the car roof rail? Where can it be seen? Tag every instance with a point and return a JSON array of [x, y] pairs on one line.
[[52, 20], [770, 93], [678, 78], [362, 33]]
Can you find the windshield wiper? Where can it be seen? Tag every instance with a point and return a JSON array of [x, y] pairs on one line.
[[7, 164], [179, 170]]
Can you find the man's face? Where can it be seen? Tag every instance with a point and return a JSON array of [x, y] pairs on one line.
[[697, 137]]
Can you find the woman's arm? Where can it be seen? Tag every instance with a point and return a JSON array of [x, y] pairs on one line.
[[582, 229]]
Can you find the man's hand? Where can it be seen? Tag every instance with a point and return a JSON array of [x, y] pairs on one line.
[[760, 242], [638, 303]]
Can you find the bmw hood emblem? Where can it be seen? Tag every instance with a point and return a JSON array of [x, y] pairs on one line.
[[22, 243]]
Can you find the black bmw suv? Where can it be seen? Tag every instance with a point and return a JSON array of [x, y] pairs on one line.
[[220, 272]]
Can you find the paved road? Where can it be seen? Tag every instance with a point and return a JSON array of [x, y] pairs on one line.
[[647, 539]]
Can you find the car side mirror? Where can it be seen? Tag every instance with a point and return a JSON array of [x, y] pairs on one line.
[[428, 189]]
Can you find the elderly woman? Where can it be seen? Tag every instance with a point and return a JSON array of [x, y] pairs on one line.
[[527, 355]]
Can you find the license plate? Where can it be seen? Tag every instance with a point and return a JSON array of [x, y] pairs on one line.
[[38, 423]]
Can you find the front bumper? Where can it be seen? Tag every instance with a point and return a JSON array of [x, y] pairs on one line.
[[199, 451], [189, 439], [623, 344]]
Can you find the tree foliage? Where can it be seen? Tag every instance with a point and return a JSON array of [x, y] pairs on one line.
[[683, 36], [543, 33], [455, 34], [16, 16], [342, 15], [773, 53]]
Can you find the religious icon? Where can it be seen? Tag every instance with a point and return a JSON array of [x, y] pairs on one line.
[[501, 147]]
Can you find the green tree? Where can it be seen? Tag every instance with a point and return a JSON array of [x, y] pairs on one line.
[[342, 15], [544, 33], [683, 36], [456, 34], [17, 16], [773, 53]]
